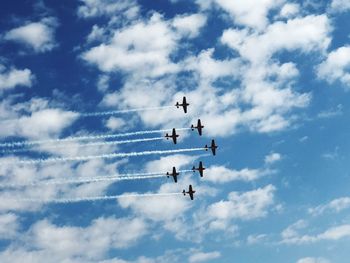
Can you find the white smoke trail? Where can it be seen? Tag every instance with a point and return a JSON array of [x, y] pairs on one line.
[[117, 177], [83, 138], [58, 146], [92, 198], [102, 156], [106, 113]]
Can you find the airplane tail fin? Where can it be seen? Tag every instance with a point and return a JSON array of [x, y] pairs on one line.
[[184, 192], [206, 147], [192, 127], [194, 168]]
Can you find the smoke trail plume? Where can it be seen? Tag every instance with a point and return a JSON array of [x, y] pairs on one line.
[[105, 156], [117, 177], [91, 198], [65, 145], [107, 113], [83, 138]]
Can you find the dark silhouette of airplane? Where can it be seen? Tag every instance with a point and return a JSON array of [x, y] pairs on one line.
[[200, 169], [173, 136], [213, 147], [184, 104], [199, 127], [190, 191], [174, 174]]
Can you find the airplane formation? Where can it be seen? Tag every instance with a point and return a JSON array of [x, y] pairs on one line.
[[173, 136], [199, 127]]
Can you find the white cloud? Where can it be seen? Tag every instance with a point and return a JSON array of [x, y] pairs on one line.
[[222, 174], [115, 123], [189, 25], [143, 47], [13, 77], [97, 34], [340, 5], [335, 233], [166, 209], [245, 206], [332, 112], [169, 211], [40, 124], [292, 231], [306, 34], [33, 118], [97, 8], [336, 66], [163, 164], [272, 158], [37, 35], [16, 175], [45, 240], [8, 225], [335, 205], [310, 33], [210, 69], [249, 12], [256, 239], [291, 234], [264, 86], [290, 10], [313, 260], [204, 256]]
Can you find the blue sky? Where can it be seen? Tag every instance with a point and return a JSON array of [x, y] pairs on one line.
[[270, 81]]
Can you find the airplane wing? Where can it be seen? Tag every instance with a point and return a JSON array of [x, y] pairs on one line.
[[191, 195], [213, 147], [174, 174], [200, 169], [199, 127], [184, 104], [174, 136]]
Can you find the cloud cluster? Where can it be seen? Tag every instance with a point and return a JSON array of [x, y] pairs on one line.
[[291, 234], [60, 243], [247, 13], [12, 78], [41, 122], [335, 205], [98, 8], [204, 256], [246, 206], [340, 6], [336, 67], [38, 36], [253, 90], [313, 260]]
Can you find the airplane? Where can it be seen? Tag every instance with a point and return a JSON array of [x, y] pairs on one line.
[[190, 191], [184, 104], [174, 174], [173, 136], [213, 147], [200, 169], [199, 127]]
